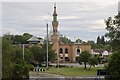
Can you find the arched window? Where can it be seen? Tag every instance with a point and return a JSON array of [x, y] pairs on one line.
[[66, 50], [60, 50], [78, 51]]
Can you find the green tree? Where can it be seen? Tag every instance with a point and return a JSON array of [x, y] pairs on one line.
[[21, 70], [51, 52], [92, 43], [84, 57], [93, 61], [18, 39], [113, 28], [98, 40], [40, 52], [13, 66], [65, 40], [114, 66], [37, 54], [102, 40], [7, 54]]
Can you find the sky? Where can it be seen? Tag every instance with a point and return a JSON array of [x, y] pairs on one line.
[[83, 19]]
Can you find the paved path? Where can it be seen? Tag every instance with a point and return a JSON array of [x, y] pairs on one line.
[[75, 64]]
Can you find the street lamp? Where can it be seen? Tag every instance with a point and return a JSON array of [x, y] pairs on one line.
[[47, 45], [58, 54]]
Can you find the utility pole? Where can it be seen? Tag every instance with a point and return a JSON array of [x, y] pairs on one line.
[[47, 46]]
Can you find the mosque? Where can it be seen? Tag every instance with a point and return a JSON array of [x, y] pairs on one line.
[[66, 52]]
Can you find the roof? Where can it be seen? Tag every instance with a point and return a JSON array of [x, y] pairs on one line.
[[33, 38], [101, 50]]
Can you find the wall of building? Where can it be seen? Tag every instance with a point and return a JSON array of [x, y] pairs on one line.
[[72, 51]]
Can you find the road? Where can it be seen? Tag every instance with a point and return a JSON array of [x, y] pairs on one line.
[[75, 64]]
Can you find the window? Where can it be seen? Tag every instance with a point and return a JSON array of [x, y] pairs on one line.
[[78, 51], [60, 50], [66, 50]]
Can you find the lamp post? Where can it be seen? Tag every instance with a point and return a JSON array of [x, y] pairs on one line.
[[58, 55], [47, 45]]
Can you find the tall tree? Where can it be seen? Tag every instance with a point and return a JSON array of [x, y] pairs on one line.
[[102, 40], [7, 54], [84, 57], [113, 28], [98, 40]]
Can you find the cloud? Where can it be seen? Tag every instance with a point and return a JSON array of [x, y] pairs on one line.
[[81, 19]]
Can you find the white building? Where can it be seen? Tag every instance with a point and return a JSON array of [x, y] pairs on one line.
[[101, 51]]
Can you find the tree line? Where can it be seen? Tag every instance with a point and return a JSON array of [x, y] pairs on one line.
[[14, 67]]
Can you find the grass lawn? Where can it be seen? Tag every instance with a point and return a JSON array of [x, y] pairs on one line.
[[75, 71]]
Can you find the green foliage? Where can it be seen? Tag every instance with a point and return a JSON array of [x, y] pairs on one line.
[[7, 53], [51, 52], [84, 57], [93, 61], [37, 54], [21, 71], [114, 66], [40, 52], [13, 65], [94, 45], [100, 40], [18, 39], [113, 28], [65, 40]]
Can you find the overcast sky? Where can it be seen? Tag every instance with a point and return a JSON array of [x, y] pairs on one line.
[[84, 20]]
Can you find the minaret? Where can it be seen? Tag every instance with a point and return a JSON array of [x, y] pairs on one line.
[[54, 36]]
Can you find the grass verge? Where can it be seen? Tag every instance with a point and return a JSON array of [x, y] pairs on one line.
[[73, 72]]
